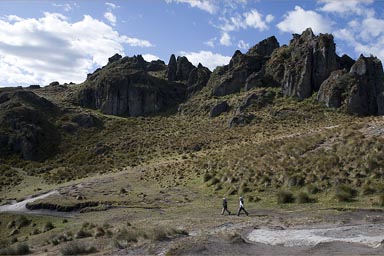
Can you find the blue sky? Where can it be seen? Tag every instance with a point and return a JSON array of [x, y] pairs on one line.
[[44, 41]]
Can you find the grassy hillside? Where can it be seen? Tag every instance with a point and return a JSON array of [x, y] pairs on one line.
[[166, 174]]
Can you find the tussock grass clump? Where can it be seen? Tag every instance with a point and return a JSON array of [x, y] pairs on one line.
[[381, 200], [312, 189], [76, 248], [163, 233], [82, 233], [303, 198], [284, 197], [345, 193], [367, 190], [48, 226], [20, 249], [126, 236], [22, 221]]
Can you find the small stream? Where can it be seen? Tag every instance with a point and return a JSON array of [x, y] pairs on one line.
[[20, 207]]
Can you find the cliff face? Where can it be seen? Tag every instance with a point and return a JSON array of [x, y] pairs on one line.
[[130, 86], [361, 90], [244, 70], [301, 67]]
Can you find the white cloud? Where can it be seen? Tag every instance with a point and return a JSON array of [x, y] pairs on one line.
[[150, 57], [243, 45], [251, 19], [369, 40], [254, 19], [207, 58], [66, 7], [112, 5], [211, 42], [110, 17], [269, 18], [205, 5], [298, 20], [225, 39], [52, 48], [347, 7]]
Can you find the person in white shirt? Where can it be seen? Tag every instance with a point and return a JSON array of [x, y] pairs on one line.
[[241, 207]]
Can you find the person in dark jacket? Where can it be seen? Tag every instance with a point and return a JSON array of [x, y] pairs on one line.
[[225, 207], [241, 207]]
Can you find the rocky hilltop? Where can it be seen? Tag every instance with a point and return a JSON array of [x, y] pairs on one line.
[[130, 86]]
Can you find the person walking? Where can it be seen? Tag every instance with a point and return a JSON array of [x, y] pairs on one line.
[[225, 207], [241, 207]]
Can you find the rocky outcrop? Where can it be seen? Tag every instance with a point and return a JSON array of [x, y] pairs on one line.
[[114, 58], [25, 125], [172, 68], [218, 109], [345, 62], [244, 70], [156, 65], [361, 90], [184, 68], [133, 87], [257, 99], [198, 78], [301, 67], [264, 47]]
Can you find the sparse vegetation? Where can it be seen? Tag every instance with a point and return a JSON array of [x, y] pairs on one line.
[[77, 248], [19, 249], [284, 197], [345, 193]]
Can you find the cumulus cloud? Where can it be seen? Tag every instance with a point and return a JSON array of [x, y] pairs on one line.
[[251, 19], [207, 58], [205, 5], [298, 20], [110, 17], [225, 39], [347, 7], [369, 40], [52, 48], [243, 45]]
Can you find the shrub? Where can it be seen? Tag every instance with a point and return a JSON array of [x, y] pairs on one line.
[[367, 190], [345, 193], [284, 197], [312, 189], [20, 249], [303, 198], [124, 237], [82, 234], [48, 226], [22, 221], [76, 248]]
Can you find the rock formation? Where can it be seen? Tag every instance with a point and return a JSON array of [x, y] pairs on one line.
[[361, 89], [172, 68], [198, 78], [232, 77], [26, 125], [218, 109], [301, 67], [130, 86]]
